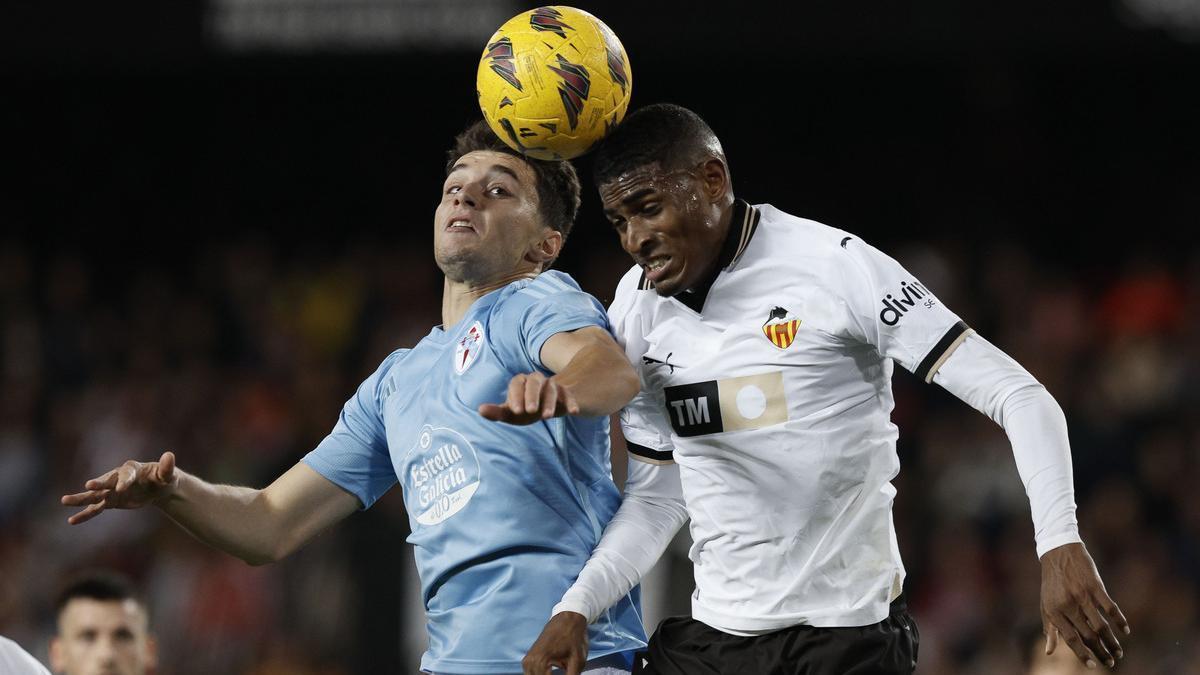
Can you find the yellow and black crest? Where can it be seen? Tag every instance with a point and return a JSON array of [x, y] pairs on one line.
[[780, 328]]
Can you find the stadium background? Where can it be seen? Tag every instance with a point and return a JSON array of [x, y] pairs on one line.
[[216, 221]]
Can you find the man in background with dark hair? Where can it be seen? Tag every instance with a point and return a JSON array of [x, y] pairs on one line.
[[765, 344], [103, 629], [496, 423]]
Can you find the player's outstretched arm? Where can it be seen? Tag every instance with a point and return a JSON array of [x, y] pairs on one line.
[[1076, 606], [592, 377], [258, 526]]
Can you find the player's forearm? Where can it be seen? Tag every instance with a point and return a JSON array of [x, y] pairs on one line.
[[648, 518], [991, 382], [633, 541], [236, 520], [1037, 429], [600, 378]]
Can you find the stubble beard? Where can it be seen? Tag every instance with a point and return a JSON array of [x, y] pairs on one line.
[[464, 266]]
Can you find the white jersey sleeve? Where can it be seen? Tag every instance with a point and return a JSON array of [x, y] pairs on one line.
[[892, 310], [647, 431], [650, 514], [652, 510], [17, 661], [988, 380]]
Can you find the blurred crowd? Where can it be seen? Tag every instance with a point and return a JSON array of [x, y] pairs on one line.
[[238, 356]]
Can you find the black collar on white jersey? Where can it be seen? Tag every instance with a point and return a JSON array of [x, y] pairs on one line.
[[742, 224]]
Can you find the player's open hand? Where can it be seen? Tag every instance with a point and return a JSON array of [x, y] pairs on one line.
[[1076, 607], [532, 397], [563, 643], [129, 486]]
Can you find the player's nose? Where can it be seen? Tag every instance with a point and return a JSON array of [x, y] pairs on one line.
[[637, 240], [470, 195], [466, 198]]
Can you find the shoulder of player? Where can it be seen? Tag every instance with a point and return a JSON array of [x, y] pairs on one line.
[[544, 294], [388, 375], [787, 235], [632, 290], [544, 285], [391, 362], [631, 284]]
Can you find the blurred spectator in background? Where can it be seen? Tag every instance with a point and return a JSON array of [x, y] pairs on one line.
[[103, 629]]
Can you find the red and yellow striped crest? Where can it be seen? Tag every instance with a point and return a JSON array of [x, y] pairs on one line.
[[781, 334]]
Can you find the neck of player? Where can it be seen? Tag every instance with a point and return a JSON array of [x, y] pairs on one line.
[[458, 296]]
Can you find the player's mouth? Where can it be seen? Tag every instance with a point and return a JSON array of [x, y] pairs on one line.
[[460, 225], [657, 267]]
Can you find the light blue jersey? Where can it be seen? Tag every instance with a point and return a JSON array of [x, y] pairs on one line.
[[503, 517]]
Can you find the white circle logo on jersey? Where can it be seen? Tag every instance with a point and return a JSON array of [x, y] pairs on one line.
[[468, 348], [751, 402], [441, 475]]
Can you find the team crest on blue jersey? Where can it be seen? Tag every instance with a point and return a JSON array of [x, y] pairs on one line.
[[780, 328], [468, 348]]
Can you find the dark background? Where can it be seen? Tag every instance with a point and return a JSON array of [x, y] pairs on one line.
[[206, 242]]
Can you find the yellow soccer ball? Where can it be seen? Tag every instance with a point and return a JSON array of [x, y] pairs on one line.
[[552, 82]]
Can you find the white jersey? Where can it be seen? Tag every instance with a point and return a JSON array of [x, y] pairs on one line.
[[771, 390], [17, 661]]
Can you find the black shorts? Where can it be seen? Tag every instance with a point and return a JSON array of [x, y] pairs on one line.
[[684, 646]]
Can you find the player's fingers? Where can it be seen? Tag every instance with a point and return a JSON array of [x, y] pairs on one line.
[[549, 399], [493, 412], [126, 475], [1105, 633], [1070, 635], [516, 394], [105, 481], [534, 383], [1115, 616], [568, 397], [534, 664], [84, 498], [575, 663], [86, 514], [1051, 634], [166, 467], [1090, 634]]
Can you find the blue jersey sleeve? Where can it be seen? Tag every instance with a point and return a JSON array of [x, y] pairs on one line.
[[552, 303], [354, 456]]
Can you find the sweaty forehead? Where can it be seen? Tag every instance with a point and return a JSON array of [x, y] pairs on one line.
[[645, 180]]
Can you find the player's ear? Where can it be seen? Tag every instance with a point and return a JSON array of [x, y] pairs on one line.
[[58, 662], [715, 176], [546, 249], [151, 652]]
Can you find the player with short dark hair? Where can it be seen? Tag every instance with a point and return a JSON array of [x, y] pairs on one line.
[[505, 500], [557, 183], [103, 628], [765, 345]]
